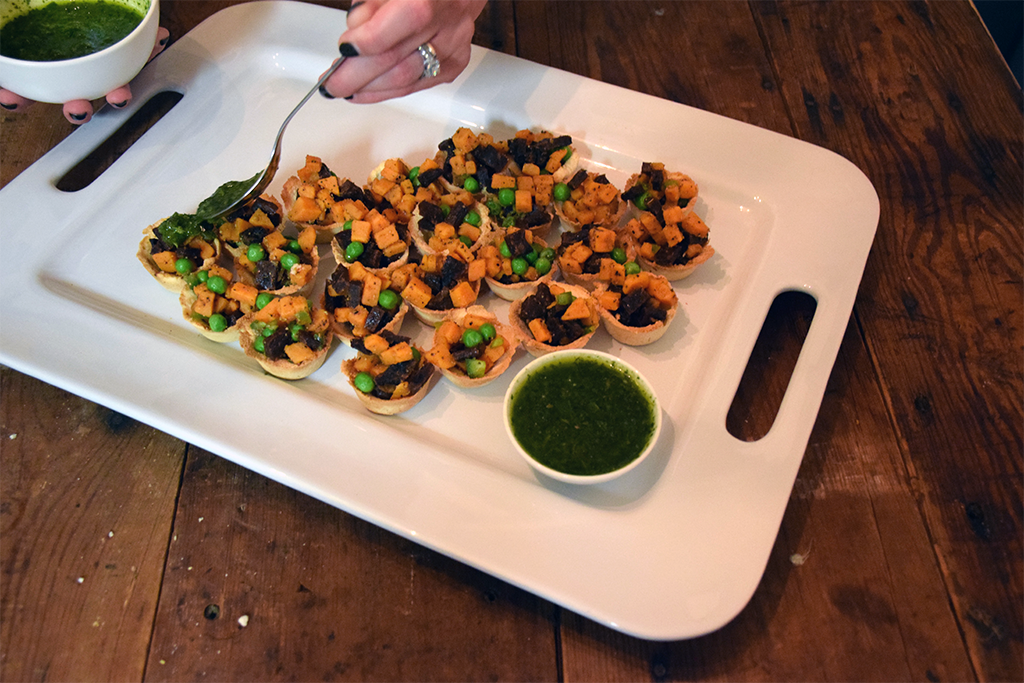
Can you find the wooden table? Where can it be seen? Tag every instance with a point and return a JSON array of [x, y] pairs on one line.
[[130, 555]]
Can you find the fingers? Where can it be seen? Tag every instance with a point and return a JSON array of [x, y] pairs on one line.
[[405, 79], [163, 36], [78, 111], [119, 98], [11, 102]]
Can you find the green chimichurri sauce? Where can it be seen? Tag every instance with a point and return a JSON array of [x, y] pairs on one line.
[[582, 416], [65, 30], [224, 196]]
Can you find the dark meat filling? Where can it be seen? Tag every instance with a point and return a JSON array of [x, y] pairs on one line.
[[537, 152], [637, 309], [260, 203], [453, 271], [542, 304], [340, 292], [416, 372], [273, 346], [592, 265], [431, 214]]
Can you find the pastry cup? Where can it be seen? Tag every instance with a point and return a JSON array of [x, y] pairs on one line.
[[283, 368], [343, 331], [339, 257], [526, 338], [677, 272], [325, 232], [517, 290], [589, 281], [170, 281], [431, 316], [305, 289], [633, 336], [511, 345], [188, 298], [389, 406], [419, 239]]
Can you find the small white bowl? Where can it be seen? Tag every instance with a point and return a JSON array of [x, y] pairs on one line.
[[566, 355], [83, 78]]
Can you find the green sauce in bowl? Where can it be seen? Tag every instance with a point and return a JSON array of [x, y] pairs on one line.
[[66, 30], [582, 414]]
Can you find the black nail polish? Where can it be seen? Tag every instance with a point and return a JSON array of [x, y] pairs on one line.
[[354, 5], [323, 91], [349, 97], [8, 107], [163, 41], [348, 50], [119, 105], [78, 117]]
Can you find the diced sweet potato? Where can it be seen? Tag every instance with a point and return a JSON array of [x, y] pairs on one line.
[[298, 353], [464, 140], [311, 171], [672, 214], [274, 240], [204, 301], [399, 353], [500, 180], [602, 240], [441, 356], [462, 294], [539, 330], [243, 293], [673, 235], [524, 201], [417, 292], [609, 300], [305, 210], [448, 332], [371, 290], [386, 236], [578, 310], [375, 343], [164, 260], [361, 231], [694, 225], [307, 239]]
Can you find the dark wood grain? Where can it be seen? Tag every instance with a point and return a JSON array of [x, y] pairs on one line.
[[87, 502]]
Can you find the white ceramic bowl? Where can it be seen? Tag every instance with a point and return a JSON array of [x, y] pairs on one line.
[[568, 354], [82, 78]]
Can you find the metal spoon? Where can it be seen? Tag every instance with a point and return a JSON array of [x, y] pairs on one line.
[[235, 195]]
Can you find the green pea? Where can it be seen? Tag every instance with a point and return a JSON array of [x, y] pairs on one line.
[[257, 344], [183, 266], [465, 240], [487, 331], [520, 265], [255, 253], [202, 276], [561, 192], [388, 299], [471, 338], [542, 266], [414, 176], [475, 368], [504, 250], [217, 284], [416, 354], [641, 201], [353, 251], [473, 218], [347, 225], [363, 382], [263, 298], [294, 330], [531, 257], [445, 210], [632, 268], [548, 254], [564, 299], [506, 196], [471, 184], [303, 317], [288, 261], [619, 255], [568, 155], [217, 322], [498, 341], [494, 206], [295, 247]]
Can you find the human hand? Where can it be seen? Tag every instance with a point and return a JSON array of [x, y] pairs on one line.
[[80, 111], [383, 36]]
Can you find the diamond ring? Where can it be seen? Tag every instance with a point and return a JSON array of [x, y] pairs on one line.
[[431, 64]]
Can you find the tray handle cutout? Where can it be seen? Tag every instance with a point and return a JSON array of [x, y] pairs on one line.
[[110, 150], [770, 366]]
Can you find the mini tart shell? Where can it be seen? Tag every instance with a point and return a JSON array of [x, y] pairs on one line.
[[518, 290], [611, 222], [339, 258], [346, 335], [248, 278], [431, 317], [187, 299], [461, 379], [536, 348], [679, 272], [170, 281], [283, 368], [382, 406], [324, 233], [635, 212], [634, 336], [420, 240], [236, 249], [590, 281]]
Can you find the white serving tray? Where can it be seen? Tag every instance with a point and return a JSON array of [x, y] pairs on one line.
[[673, 550]]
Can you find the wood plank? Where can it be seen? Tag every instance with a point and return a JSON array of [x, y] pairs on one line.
[[86, 503], [323, 595], [941, 300]]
